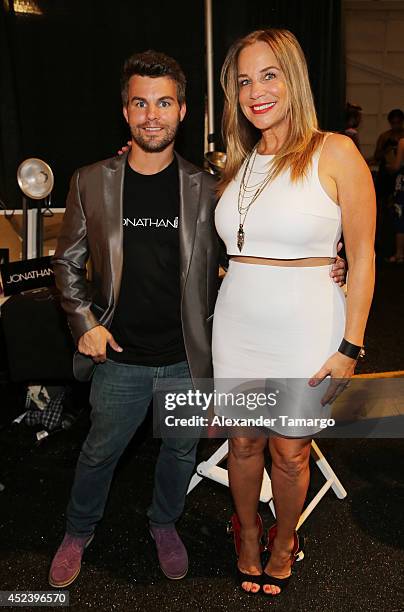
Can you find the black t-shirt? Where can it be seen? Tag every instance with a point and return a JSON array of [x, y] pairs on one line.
[[147, 318]]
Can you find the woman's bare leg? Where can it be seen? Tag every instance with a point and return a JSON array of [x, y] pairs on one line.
[[245, 466], [290, 477]]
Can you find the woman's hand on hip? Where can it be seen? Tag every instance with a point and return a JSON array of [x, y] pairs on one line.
[[341, 368]]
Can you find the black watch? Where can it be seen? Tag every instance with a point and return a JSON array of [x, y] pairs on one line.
[[351, 350]]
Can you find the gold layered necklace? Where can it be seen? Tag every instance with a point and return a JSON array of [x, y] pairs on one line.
[[247, 194]]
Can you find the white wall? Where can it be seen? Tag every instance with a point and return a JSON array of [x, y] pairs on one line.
[[374, 37]]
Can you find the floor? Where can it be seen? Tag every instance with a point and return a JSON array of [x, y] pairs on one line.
[[354, 551]]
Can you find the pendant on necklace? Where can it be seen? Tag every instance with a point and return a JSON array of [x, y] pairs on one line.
[[240, 238]]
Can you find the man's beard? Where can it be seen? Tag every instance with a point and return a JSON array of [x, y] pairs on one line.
[[157, 143]]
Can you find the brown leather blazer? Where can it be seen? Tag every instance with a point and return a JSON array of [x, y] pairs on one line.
[[92, 230]]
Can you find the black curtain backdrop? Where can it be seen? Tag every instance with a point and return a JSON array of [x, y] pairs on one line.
[[66, 65], [60, 73], [10, 129]]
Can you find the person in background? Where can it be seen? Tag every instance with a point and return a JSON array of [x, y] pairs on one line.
[[385, 183], [397, 165], [386, 146], [353, 118]]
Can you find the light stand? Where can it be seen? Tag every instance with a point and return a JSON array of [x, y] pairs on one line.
[[216, 160], [36, 181]]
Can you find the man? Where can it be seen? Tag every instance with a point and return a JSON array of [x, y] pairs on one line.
[[147, 312], [385, 184], [387, 141], [146, 221]]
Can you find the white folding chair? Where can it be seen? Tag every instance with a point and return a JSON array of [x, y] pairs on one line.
[[211, 469]]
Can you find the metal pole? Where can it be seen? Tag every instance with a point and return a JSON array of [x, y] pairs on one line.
[[209, 72], [24, 233], [39, 229]]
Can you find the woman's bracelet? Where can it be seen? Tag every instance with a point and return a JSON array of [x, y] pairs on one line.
[[351, 350]]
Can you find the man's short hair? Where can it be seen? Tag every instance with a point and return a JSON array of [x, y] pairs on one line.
[[153, 64], [395, 113]]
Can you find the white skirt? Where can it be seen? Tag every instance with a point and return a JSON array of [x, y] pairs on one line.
[[275, 323]]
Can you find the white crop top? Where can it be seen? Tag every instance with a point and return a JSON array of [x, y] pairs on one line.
[[287, 220]]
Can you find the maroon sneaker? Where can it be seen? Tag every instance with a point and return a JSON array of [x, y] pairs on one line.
[[172, 554], [66, 563]]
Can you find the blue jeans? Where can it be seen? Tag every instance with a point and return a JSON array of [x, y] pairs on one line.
[[120, 396]]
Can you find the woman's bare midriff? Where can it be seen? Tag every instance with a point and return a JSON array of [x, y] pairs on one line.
[[303, 262]]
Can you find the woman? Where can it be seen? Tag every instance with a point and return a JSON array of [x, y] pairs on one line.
[[286, 191], [398, 166]]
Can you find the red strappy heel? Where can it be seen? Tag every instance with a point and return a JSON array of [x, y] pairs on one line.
[[234, 528], [299, 542], [296, 554]]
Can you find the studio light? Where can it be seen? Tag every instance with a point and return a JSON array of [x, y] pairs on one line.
[[216, 161], [35, 179]]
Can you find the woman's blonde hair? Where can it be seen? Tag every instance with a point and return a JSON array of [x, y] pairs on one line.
[[239, 134]]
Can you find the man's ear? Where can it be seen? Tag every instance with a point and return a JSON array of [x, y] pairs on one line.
[[125, 113], [183, 110]]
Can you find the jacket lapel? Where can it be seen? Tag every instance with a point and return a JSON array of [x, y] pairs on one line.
[[190, 191], [114, 174]]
